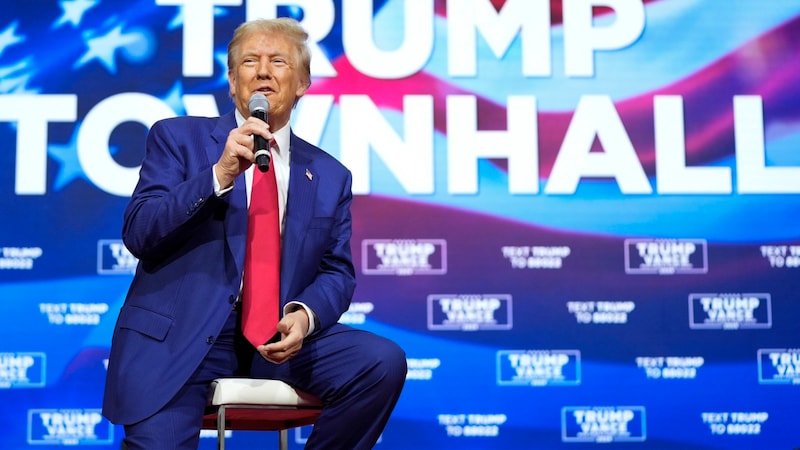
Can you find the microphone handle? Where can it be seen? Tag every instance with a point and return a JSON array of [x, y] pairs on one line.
[[262, 153], [261, 145]]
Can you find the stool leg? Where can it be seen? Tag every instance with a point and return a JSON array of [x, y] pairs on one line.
[[283, 439], [221, 428]]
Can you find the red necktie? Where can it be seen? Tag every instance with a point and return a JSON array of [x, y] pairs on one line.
[[260, 291]]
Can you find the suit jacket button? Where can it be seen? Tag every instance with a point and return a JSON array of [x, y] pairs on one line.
[[210, 340]]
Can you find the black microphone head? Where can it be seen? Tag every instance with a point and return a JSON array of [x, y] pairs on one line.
[[258, 103]]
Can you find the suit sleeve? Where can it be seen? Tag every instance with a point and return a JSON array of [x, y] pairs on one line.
[[173, 193]]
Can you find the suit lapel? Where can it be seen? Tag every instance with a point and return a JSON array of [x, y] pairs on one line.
[[299, 209], [235, 222]]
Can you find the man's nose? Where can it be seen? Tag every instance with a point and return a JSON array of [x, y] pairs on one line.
[[263, 70]]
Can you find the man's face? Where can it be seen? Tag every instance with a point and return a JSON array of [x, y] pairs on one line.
[[267, 64]]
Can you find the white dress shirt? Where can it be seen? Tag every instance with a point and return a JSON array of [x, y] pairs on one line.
[[281, 157]]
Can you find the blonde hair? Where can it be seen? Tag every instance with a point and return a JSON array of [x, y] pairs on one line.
[[288, 27]]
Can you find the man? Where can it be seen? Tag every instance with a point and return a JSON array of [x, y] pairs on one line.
[[187, 222]]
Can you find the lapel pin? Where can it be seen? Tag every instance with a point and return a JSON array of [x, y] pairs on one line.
[[309, 175]]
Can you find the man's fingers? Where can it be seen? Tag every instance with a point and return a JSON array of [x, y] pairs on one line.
[[280, 348], [278, 357]]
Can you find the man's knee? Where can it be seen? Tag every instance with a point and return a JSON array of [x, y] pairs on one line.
[[391, 362]]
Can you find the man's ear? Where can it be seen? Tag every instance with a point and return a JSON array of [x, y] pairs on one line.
[[301, 89], [231, 83]]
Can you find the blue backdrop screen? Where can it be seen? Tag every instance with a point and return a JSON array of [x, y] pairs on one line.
[[579, 218]]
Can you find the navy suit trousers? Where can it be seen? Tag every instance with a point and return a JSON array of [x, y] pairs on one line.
[[357, 374]]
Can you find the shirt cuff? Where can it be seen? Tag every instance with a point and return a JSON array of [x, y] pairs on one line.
[[217, 191], [312, 319]]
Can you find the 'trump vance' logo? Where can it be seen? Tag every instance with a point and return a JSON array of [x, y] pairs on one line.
[[469, 312], [22, 369], [730, 311], [603, 424], [666, 256], [68, 427], [779, 366], [404, 256], [114, 258], [538, 367]]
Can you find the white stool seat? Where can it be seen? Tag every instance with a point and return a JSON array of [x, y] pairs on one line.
[[258, 404], [254, 391]]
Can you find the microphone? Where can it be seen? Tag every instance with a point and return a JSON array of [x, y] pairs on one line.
[[259, 108]]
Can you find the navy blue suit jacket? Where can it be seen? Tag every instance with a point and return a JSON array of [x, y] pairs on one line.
[[191, 247]]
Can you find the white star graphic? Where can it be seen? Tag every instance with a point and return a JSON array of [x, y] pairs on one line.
[[9, 37], [16, 85], [14, 78], [177, 21], [73, 11], [105, 47], [174, 98]]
